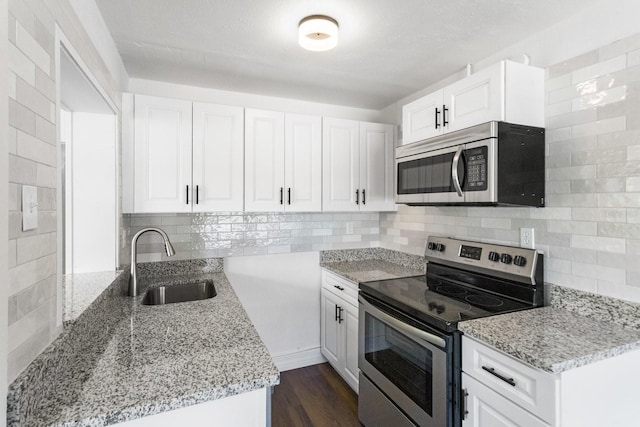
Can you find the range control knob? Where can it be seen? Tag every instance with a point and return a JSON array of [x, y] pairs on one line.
[[520, 261], [439, 247], [506, 258], [494, 256], [431, 246]]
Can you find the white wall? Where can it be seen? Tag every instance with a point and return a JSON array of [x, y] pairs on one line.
[[240, 99], [281, 294], [93, 169], [4, 227]]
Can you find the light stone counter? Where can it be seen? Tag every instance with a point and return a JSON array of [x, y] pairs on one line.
[[552, 339], [369, 264], [121, 360]]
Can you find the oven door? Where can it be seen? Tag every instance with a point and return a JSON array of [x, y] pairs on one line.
[[408, 364]]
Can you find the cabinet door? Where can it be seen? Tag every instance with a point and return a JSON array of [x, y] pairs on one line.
[[218, 158], [486, 408], [330, 329], [162, 165], [264, 161], [350, 329], [376, 167], [475, 99], [419, 118], [340, 165], [303, 163]]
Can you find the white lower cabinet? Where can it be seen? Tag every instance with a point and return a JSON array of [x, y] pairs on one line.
[[339, 326], [500, 390], [489, 409]]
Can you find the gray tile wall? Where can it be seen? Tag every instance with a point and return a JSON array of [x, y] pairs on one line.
[[32, 161], [590, 229], [237, 233]]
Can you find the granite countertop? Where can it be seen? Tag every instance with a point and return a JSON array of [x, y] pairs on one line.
[[122, 360], [369, 264], [80, 290], [552, 339]]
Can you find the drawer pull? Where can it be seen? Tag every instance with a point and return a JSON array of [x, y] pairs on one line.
[[493, 372], [338, 287]]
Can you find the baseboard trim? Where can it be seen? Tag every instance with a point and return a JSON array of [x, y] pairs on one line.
[[299, 359]]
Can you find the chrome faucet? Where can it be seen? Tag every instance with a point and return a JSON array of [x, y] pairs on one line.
[[133, 280]]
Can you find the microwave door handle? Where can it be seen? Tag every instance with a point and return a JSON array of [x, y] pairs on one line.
[[454, 171], [411, 331]]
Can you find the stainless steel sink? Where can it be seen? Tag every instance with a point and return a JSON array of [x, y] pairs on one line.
[[180, 293]]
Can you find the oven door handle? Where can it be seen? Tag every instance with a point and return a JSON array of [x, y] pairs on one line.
[[409, 330], [454, 171]]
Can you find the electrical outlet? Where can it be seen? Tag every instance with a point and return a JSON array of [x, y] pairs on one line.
[[527, 238]]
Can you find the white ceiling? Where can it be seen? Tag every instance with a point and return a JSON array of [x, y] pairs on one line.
[[388, 49]]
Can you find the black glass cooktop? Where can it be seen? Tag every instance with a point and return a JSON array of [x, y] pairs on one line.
[[439, 303]]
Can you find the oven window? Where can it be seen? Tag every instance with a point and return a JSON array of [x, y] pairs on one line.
[[426, 175], [401, 360]]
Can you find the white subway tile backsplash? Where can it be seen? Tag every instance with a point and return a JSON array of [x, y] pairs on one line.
[[608, 66], [599, 127], [598, 99], [610, 244], [27, 44]]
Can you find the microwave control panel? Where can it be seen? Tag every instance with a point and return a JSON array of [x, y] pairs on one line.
[[476, 176]]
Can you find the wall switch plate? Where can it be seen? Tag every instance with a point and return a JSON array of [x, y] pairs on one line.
[[527, 238], [29, 207]]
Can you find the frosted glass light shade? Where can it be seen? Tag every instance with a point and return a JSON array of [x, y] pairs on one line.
[[318, 33]]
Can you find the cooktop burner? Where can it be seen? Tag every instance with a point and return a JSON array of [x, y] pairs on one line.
[[441, 305]]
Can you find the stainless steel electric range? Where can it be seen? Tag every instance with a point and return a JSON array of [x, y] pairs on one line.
[[409, 349]]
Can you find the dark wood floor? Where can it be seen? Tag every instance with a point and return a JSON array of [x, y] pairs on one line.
[[313, 396]]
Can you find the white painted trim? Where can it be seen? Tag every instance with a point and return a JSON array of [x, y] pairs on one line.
[[4, 201], [91, 19], [63, 42], [299, 359]]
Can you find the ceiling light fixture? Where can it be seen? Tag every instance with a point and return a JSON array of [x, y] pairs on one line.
[[318, 33]]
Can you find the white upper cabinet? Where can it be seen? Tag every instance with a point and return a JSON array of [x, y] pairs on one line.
[[340, 164], [376, 167], [283, 157], [218, 158], [180, 156], [419, 118], [507, 91], [303, 163], [162, 160], [357, 166], [264, 160]]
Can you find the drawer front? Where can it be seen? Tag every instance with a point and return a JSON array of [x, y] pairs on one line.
[[340, 287], [486, 408], [526, 386]]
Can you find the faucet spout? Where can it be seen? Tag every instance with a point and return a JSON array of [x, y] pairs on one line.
[[133, 280]]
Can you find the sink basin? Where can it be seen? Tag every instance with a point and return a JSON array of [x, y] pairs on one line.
[[180, 293]]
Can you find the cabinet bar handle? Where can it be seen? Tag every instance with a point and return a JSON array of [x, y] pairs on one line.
[[364, 198], [336, 312], [187, 194], [493, 372], [338, 287], [357, 197], [289, 195], [463, 404], [444, 115], [437, 114], [281, 195], [197, 194], [340, 310]]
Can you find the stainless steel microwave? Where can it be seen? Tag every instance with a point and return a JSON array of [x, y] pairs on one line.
[[492, 164]]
